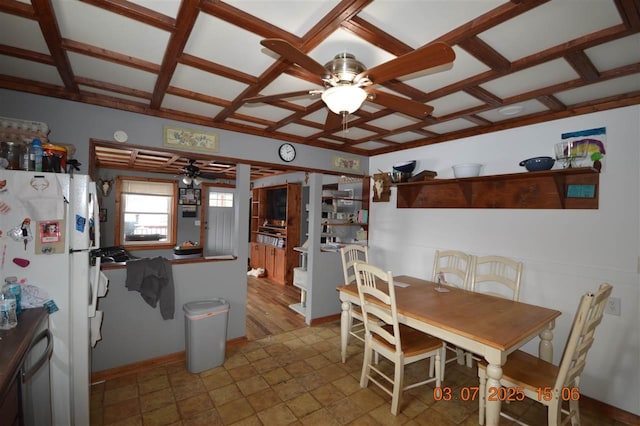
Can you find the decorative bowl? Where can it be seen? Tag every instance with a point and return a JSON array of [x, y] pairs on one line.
[[399, 177], [466, 170], [405, 167], [537, 164]]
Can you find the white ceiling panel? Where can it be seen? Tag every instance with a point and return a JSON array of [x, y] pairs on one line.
[[22, 33], [617, 53], [371, 145], [247, 123], [353, 133], [600, 90], [206, 83], [97, 69], [265, 112], [299, 18], [299, 130], [394, 121], [402, 19], [17, 67], [547, 74], [451, 126], [404, 137], [95, 26], [223, 43], [179, 103], [549, 25], [528, 107], [166, 7], [458, 101]]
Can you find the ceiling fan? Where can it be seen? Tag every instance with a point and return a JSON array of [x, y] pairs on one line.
[[192, 175], [345, 79]]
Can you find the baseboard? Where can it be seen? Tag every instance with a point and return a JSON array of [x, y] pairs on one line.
[[325, 320], [151, 363], [615, 413]]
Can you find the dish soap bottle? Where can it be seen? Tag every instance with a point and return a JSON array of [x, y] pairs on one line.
[[35, 156]]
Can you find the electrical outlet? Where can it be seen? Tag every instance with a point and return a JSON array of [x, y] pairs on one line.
[[613, 306], [196, 222]]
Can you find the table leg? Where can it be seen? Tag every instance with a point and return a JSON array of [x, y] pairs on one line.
[[545, 347], [493, 406], [345, 326]]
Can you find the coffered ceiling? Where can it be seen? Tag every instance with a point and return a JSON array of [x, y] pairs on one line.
[[516, 62]]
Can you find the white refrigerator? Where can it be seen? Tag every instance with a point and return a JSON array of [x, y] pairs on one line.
[[49, 224]]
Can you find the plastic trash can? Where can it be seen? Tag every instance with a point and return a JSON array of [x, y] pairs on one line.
[[205, 333]]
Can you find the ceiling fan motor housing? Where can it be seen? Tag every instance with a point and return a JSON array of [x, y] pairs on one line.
[[344, 67]]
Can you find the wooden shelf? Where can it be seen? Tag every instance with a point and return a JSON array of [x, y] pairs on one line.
[[574, 188]]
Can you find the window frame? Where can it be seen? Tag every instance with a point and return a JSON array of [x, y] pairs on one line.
[[119, 216]]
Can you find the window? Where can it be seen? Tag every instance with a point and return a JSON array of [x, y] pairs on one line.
[[220, 199], [146, 211]]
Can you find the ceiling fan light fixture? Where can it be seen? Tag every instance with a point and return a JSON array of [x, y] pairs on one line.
[[344, 98], [187, 180], [197, 181]]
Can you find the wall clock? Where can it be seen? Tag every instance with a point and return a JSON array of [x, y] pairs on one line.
[[287, 152]]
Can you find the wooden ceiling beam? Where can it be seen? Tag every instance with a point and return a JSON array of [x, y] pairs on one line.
[[109, 56], [188, 94], [484, 95], [630, 13], [136, 12], [28, 55], [184, 24], [51, 33], [581, 63], [83, 81], [551, 102], [374, 35], [18, 8], [485, 53], [212, 67]]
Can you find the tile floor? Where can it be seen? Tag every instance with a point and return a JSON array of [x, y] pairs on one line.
[[293, 378]]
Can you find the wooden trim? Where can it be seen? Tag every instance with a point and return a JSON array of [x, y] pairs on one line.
[[614, 413], [137, 367], [324, 320]]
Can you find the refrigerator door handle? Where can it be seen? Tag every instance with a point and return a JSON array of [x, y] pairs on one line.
[[26, 375], [93, 194], [93, 288]]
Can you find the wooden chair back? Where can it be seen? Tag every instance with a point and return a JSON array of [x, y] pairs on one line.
[[588, 317], [350, 255], [497, 275], [455, 266]]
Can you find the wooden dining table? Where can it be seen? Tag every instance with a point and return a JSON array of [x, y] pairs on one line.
[[488, 326]]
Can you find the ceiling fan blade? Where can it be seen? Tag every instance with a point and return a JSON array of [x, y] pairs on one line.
[[403, 105], [430, 56], [293, 54], [269, 98], [333, 120]]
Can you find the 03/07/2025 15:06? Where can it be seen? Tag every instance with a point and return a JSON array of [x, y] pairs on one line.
[[470, 393]]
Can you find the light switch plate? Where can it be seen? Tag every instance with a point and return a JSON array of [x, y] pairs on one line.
[[613, 306]]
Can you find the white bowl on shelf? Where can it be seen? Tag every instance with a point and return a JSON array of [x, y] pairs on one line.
[[466, 170]]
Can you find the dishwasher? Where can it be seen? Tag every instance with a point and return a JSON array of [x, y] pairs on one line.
[[35, 391]]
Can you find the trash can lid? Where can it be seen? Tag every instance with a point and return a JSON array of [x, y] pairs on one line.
[[205, 306]]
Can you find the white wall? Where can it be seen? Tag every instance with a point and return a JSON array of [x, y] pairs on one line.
[[566, 252]]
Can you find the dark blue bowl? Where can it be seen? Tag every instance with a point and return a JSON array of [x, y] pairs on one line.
[[537, 164], [405, 166]]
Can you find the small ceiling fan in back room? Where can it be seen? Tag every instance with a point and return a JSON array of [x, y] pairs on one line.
[[348, 83], [192, 175]]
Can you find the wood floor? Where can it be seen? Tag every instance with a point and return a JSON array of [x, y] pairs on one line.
[[268, 311]]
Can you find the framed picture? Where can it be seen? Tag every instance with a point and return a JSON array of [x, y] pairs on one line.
[[49, 232], [103, 215], [381, 187], [189, 196], [183, 138], [347, 164]]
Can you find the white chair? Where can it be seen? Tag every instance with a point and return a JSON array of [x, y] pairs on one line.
[[497, 276], [398, 343], [455, 268], [351, 254], [549, 384]]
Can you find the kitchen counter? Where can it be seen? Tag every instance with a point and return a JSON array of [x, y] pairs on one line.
[[14, 344], [122, 265]]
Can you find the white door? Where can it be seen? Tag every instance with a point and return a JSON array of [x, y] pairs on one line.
[[219, 221]]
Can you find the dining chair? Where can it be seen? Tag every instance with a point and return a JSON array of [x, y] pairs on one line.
[[455, 266], [544, 382], [351, 254], [497, 276], [396, 342]]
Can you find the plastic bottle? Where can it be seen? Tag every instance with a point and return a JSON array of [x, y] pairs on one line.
[[35, 155]]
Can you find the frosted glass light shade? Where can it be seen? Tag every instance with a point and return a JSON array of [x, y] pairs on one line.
[[341, 99]]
